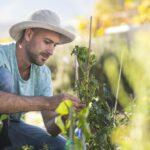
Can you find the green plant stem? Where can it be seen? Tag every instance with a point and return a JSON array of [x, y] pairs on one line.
[[118, 84]]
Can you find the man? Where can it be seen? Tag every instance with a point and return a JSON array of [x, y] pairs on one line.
[[25, 82]]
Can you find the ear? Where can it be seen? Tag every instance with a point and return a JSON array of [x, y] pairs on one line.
[[28, 34]]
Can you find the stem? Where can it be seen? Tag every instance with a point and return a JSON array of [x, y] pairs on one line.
[[83, 142], [76, 69], [89, 51], [118, 84], [71, 129], [90, 34]]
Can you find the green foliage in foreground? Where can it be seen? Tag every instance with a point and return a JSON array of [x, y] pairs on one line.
[[131, 120], [2, 117], [101, 117]]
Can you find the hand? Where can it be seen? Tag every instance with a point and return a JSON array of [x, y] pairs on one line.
[[77, 104]]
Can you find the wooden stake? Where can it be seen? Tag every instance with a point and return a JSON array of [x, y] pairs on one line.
[[90, 34]]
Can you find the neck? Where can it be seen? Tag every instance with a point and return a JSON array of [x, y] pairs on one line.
[[22, 59]]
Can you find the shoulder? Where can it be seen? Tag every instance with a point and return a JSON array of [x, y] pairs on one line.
[[7, 45], [7, 53], [7, 48]]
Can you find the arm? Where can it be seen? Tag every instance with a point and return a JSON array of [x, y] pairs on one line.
[[11, 103]]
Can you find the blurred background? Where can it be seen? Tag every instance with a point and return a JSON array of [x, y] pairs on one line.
[[121, 43]]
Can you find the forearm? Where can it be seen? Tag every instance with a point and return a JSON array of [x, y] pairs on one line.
[[11, 103]]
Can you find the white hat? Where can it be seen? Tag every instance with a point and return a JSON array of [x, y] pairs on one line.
[[45, 19]]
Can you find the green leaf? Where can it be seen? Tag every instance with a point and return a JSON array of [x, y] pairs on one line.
[[3, 117]]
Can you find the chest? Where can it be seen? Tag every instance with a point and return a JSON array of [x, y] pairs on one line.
[[25, 74]]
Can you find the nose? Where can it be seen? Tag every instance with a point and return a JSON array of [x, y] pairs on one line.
[[50, 51]]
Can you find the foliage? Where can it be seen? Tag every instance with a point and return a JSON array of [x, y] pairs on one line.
[[135, 135], [108, 13], [5, 40], [134, 86], [26, 147], [101, 117], [86, 85], [78, 120], [2, 117]]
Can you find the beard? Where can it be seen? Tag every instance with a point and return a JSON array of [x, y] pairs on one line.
[[34, 56]]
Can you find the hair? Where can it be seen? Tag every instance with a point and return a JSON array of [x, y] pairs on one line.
[[22, 36]]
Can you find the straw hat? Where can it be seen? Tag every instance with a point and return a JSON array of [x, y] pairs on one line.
[[45, 19]]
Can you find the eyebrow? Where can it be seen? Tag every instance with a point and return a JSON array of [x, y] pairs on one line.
[[51, 41]]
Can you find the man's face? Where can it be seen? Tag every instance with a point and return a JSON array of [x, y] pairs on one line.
[[40, 44]]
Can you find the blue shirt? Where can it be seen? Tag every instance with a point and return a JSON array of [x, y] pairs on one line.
[[39, 82]]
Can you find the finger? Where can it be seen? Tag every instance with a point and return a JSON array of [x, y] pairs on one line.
[[76, 101], [65, 117], [77, 109], [73, 98], [79, 105]]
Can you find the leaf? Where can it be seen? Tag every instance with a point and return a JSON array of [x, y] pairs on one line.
[[3, 117], [63, 107], [60, 124]]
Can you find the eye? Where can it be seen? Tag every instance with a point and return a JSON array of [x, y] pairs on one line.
[[48, 42], [55, 44]]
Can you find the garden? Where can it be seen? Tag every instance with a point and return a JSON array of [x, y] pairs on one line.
[[107, 68]]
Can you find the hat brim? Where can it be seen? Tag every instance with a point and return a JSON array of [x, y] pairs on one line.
[[16, 30]]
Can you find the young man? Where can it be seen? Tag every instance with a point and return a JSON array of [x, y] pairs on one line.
[[25, 82]]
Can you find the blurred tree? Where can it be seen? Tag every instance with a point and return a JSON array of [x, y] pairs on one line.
[[113, 13]]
